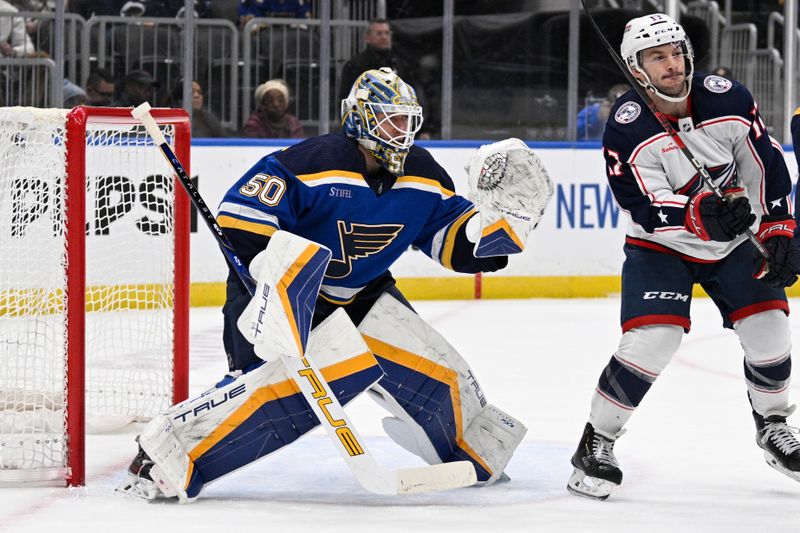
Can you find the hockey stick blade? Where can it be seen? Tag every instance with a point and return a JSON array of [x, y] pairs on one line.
[[371, 475], [664, 122]]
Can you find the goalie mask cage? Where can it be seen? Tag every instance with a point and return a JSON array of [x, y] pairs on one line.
[[94, 282]]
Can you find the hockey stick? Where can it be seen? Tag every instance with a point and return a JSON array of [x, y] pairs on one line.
[[699, 167], [371, 475]]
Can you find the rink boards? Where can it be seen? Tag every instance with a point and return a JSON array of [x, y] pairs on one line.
[[575, 252]]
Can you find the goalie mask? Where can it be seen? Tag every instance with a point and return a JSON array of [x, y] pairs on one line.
[[383, 115], [656, 30]]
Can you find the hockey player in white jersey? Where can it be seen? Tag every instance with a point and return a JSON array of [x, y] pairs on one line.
[[680, 234]]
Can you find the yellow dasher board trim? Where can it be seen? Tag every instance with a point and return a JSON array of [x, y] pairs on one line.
[[462, 287], [17, 303]]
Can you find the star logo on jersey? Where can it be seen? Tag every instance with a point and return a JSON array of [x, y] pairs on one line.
[[775, 203], [358, 241], [627, 112], [717, 84], [662, 216]]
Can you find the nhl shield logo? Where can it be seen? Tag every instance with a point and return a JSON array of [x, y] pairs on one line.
[[627, 112], [717, 84]]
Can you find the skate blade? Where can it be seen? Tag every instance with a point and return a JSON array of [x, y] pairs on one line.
[[140, 488], [774, 463], [589, 487]]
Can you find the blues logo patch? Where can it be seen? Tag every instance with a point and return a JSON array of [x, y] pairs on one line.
[[627, 112]]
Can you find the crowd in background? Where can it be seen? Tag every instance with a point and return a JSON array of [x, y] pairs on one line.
[[273, 106], [270, 117]]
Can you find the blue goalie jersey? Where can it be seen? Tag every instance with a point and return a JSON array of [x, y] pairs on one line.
[[318, 189]]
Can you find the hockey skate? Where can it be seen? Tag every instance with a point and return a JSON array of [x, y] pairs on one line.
[[596, 469], [140, 483], [779, 442]]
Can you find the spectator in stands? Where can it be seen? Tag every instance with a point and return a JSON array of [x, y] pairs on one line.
[[14, 39], [39, 33], [725, 72], [72, 95], [136, 87], [175, 8], [137, 8], [89, 8], [99, 88], [204, 122], [592, 118], [272, 118], [377, 54], [249, 9]]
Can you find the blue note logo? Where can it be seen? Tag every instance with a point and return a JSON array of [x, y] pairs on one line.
[[357, 241]]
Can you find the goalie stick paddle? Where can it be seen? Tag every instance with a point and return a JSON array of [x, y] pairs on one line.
[[698, 166], [373, 476]]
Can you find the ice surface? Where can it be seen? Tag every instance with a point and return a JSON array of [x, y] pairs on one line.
[[689, 457]]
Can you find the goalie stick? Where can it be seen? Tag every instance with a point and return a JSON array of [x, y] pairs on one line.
[[372, 476], [699, 167]]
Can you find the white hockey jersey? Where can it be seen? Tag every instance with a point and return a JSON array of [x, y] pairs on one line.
[[652, 180]]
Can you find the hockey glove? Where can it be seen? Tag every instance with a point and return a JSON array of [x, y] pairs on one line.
[[775, 233], [510, 189], [714, 220]]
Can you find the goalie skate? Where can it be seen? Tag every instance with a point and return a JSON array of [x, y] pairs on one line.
[[596, 469], [140, 483], [778, 440]]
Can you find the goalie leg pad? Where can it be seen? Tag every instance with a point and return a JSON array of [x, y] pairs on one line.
[[289, 273], [254, 414], [440, 412]]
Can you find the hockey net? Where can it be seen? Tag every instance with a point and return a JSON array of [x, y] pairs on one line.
[[93, 283]]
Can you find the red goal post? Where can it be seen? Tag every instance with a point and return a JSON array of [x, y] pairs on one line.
[[94, 282]]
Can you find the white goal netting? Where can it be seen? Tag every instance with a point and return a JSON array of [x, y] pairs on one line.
[[129, 284]]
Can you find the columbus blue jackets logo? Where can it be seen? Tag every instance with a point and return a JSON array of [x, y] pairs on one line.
[[725, 176], [358, 241], [717, 84], [627, 112]]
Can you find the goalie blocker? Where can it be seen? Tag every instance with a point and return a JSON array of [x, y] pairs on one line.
[[439, 410]]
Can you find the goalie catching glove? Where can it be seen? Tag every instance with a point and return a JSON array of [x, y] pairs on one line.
[[510, 189]]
